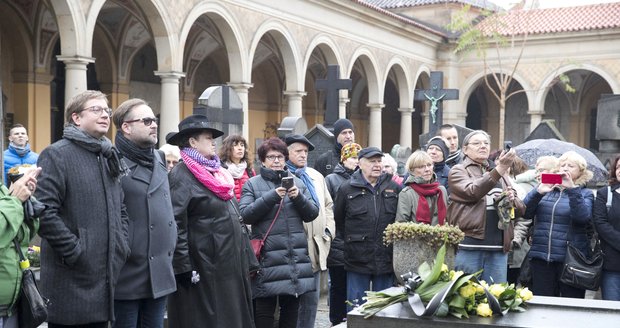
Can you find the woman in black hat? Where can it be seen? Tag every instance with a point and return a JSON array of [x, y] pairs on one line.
[[213, 285]]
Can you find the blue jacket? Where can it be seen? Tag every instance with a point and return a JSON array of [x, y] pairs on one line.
[[11, 159], [553, 214]]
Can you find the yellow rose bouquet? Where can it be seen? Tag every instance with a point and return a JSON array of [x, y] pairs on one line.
[[440, 292]]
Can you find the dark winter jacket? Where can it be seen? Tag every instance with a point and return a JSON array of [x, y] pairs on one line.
[[210, 243], [152, 233], [608, 226], [327, 162], [442, 170], [84, 231], [560, 216], [361, 215], [285, 264], [333, 182]]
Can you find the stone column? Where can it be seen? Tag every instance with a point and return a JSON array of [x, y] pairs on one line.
[[75, 74], [374, 128], [342, 106], [405, 126], [169, 105], [242, 90], [294, 99]]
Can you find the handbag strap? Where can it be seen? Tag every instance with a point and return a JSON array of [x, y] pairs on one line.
[[274, 220], [23, 262]]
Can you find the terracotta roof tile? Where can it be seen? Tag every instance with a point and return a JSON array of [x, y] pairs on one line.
[[554, 20], [391, 4]]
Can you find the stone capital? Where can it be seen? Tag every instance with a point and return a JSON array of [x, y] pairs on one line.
[[405, 111], [294, 94], [169, 76], [240, 86], [376, 107], [75, 61]]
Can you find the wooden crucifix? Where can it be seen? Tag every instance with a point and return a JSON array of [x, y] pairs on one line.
[[436, 95], [332, 84]]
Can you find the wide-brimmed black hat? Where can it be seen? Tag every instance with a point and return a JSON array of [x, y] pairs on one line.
[[190, 125]]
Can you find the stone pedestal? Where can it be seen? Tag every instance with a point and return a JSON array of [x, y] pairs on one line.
[[409, 254]]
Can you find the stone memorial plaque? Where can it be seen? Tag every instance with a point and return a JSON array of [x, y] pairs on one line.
[[545, 130], [322, 139], [290, 124]]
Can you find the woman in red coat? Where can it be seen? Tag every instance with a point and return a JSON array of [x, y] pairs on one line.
[[234, 157]]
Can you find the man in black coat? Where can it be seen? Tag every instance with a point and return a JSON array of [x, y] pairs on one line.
[[147, 276], [365, 205], [84, 226], [343, 131]]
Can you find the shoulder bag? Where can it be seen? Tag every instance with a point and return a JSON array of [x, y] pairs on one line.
[[257, 244], [31, 306], [580, 271]]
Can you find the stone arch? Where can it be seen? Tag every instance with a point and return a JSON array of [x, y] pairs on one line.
[[288, 50], [19, 38], [369, 62], [230, 31], [545, 86], [329, 48], [46, 37], [405, 87], [517, 122], [72, 26], [134, 37]]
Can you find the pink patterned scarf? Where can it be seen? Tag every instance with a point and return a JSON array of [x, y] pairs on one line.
[[219, 181]]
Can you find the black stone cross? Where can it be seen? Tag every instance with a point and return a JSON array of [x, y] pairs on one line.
[[436, 95], [332, 85]]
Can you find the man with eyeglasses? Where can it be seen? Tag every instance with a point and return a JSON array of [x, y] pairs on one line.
[[364, 206], [84, 226], [147, 276]]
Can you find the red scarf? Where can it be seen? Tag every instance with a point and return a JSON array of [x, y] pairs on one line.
[[423, 213]]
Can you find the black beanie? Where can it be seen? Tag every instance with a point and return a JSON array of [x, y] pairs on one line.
[[342, 124], [439, 142]]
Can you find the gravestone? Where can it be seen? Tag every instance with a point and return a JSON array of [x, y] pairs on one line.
[[323, 140], [608, 128], [332, 85], [541, 311], [461, 130], [400, 155], [436, 95], [545, 130], [223, 108], [291, 124]]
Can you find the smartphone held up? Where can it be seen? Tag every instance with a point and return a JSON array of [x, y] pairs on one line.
[[287, 183], [551, 178]]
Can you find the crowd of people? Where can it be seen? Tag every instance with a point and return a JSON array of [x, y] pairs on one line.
[[130, 232]]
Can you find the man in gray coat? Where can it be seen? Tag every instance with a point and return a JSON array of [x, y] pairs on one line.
[[147, 276], [84, 225]]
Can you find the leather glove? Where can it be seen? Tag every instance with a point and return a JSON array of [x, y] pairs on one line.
[[184, 279]]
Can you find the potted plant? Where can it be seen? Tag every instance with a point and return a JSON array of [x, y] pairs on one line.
[[416, 243]]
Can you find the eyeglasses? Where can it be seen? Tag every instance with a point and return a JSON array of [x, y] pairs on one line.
[[148, 121], [98, 110], [274, 157], [478, 143]]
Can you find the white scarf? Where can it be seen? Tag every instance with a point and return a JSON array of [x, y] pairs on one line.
[[236, 170]]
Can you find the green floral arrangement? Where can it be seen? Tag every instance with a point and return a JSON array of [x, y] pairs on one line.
[[34, 256], [433, 235], [456, 293]]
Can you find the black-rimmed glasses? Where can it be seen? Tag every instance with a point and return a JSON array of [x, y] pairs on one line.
[[148, 121]]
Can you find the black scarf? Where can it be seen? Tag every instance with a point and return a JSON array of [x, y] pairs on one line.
[[103, 146], [142, 156]]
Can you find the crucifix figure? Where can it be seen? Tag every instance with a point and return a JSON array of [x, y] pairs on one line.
[[436, 95], [332, 84]]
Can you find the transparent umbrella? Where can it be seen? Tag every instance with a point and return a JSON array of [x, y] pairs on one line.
[[530, 151]]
